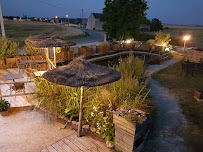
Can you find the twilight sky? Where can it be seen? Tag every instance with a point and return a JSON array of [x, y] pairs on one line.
[[188, 12]]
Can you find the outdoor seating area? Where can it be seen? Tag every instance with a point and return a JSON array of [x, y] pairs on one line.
[[16, 88]]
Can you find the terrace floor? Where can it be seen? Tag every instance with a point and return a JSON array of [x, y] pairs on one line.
[[25, 102]]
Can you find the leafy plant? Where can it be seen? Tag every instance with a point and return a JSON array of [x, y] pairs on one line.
[[162, 38], [4, 105], [8, 48], [29, 49]]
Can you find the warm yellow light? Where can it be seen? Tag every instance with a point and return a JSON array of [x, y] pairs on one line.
[[56, 17], [164, 44], [67, 16], [128, 41], [187, 37]]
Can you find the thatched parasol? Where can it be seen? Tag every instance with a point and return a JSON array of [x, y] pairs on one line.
[[39, 37], [80, 73], [53, 41]]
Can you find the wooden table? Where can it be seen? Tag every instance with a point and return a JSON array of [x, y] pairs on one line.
[[12, 76]]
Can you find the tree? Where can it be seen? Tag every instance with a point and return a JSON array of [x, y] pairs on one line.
[[122, 18], [162, 38], [156, 25]]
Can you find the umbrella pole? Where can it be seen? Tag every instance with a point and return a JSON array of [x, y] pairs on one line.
[[80, 114], [55, 56]]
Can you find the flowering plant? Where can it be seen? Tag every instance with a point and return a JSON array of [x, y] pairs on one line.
[[132, 115]]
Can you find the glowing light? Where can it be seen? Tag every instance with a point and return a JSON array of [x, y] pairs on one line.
[[67, 16], [56, 17], [164, 44], [128, 41], [187, 37]]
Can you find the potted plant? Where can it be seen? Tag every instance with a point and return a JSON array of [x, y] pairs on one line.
[[131, 126], [4, 106]]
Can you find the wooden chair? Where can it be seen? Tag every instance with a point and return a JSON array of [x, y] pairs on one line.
[[17, 87], [21, 67], [30, 74]]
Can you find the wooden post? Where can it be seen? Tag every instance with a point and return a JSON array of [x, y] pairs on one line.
[[80, 114], [55, 56], [2, 23], [47, 57]]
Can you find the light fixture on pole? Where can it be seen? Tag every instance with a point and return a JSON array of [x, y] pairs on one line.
[[67, 18], [186, 38]]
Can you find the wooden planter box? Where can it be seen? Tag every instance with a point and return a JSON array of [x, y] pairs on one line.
[[11, 62], [116, 47], [145, 47], [69, 55], [4, 113], [129, 46], [198, 95], [157, 49], [85, 52], [2, 64], [129, 137], [102, 49]]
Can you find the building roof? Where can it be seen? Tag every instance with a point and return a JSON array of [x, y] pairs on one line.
[[97, 15]]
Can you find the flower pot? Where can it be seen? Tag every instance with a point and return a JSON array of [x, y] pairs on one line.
[[4, 113], [128, 136]]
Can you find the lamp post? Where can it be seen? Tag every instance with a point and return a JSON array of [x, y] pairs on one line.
[[186, 38], [68, 19]]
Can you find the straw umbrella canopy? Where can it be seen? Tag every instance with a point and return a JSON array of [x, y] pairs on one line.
[[54, 42], [80, 73], [39, 37]]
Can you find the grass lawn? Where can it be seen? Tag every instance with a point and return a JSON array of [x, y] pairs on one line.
[[183, 88], [20, 30], [196, 33]]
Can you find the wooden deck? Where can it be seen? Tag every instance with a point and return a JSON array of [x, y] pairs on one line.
[[72, 143], [24, 102]]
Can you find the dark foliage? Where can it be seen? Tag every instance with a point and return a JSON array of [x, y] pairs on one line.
[[122, 18], [156, 25]]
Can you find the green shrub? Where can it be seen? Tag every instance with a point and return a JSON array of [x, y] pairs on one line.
[[29, 49], [8, 48], [4, 105]]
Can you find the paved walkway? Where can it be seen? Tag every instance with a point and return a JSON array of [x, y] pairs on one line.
[[166, 135]]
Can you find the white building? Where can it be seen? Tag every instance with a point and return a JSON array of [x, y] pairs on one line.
[[94, 23]]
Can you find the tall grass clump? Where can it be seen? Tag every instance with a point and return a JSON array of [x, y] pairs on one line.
[[58, 99]]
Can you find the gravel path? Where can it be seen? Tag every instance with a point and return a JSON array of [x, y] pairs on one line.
[[29, 131], [166, 134]]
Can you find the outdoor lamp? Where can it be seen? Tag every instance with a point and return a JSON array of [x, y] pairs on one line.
[[128, 41], [186, 38]]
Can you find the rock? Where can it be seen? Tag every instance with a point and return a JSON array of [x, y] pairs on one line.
[[109, 144], [93, 129]]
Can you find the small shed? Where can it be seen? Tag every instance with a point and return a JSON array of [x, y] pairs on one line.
[[145, 27], [94, 22]]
